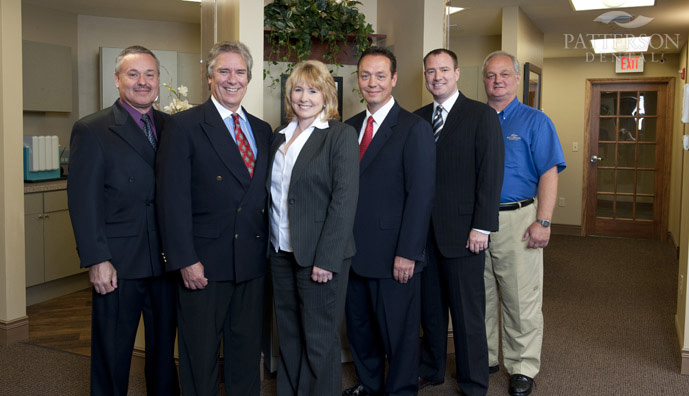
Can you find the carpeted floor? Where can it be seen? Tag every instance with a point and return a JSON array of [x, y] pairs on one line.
[[609, 309]]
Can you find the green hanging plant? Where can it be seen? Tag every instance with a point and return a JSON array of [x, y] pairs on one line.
[[295, 24]]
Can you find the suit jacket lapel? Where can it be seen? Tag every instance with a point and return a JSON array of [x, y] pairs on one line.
[[453, 117], [262, 148], [384, 132], [159, 121], [223, 144], [307, 152], [129, 131]]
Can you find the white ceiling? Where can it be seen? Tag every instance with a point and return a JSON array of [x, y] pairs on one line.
[[554, 18]]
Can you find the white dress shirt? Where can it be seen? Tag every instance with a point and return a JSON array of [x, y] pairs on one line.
[[280, 179], [378, 118]]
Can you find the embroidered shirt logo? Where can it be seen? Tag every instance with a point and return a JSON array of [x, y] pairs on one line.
[[514, 136]]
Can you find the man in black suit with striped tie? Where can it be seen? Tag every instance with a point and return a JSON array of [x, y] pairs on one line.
[[469, 169], [111, 193]]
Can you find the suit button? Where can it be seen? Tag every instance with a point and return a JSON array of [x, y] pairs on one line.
[[236, 236], [149, 203], [239, 209], [263, 210], [218, 178], [291, 201], [131, 180]]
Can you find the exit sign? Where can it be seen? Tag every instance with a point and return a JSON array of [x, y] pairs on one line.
[[629, 64]]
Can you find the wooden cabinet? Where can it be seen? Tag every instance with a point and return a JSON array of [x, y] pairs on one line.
[[50, 247]]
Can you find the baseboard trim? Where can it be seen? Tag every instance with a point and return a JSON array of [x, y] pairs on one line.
[[14, 330], [684, 368], [566, 229]]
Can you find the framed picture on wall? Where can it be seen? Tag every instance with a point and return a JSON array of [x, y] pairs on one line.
[[532, 85], [339, 83]]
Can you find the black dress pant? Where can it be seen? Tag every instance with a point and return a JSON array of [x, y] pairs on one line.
[[115, 319], [383, 321], [223, 311], [309, 317], [457, 284]]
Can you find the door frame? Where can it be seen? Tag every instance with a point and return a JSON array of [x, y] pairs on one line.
[[664, 193]]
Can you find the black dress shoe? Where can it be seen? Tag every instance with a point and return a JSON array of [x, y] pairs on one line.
[[424, 382], [493, 369], [520, 385], [356, 390]]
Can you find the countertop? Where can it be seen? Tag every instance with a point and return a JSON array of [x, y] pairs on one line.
[[46, 186]]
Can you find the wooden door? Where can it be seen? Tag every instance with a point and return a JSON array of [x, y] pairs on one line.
[[626, 172]]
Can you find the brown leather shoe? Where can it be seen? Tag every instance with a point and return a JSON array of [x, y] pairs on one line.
[[424, 382]]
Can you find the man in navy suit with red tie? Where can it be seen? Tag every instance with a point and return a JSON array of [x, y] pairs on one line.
[[396, 182]]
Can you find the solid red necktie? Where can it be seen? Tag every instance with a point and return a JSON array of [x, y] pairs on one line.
[[243, 144], [366, 139]]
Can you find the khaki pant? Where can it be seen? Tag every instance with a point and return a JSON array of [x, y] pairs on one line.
[[514, 277]]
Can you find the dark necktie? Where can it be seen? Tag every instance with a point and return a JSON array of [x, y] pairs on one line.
[[243, 144], [366, 139], [149, 131], [437, 122]]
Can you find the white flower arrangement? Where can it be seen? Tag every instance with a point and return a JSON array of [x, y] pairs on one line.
[[179, 101]]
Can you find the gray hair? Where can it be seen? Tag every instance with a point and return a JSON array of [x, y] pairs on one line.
[[134, 49], [515, 62], [229, 46]]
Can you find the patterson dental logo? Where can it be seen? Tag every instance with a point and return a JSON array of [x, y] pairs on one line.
[[623, 19], [656, 42]]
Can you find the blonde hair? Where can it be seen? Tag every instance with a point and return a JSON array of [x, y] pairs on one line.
[[316, 75]]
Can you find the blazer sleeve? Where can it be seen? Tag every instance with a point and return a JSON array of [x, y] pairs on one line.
[[339, 220], [419, 184], [86, 195], [173, 198], [490, 167]]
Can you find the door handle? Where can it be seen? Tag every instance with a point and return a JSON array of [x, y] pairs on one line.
[[595, 158]]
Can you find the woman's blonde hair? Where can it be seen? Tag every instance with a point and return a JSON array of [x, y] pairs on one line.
[[316, 75]]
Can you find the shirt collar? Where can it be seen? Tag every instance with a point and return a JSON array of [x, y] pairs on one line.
[[225, 112], [320, 123], [380, 115], [448, 103], [507, 111], [136, 115]]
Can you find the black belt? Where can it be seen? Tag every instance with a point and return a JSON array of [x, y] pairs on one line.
[[516, 205]]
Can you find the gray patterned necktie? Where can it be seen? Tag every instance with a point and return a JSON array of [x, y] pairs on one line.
[[437, 122], [149, 131]]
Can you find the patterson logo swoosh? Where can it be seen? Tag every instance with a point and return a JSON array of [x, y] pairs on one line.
[[619, 16]]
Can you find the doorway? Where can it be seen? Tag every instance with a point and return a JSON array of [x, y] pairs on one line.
[[627, 162]]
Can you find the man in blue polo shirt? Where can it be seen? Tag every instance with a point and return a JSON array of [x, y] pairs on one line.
[[514, 260]]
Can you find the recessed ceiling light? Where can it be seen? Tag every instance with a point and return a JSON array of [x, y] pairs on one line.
[[193, 1], [584, 5], [620, 44], [452, 10]]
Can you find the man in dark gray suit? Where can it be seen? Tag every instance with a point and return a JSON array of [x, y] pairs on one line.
[[396, 178], [470, 157], [211, 173], [111, 191]]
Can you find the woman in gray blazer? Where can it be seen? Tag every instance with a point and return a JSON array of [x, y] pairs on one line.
[[313, 185]]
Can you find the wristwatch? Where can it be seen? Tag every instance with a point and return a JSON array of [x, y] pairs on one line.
[[544, 223]]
